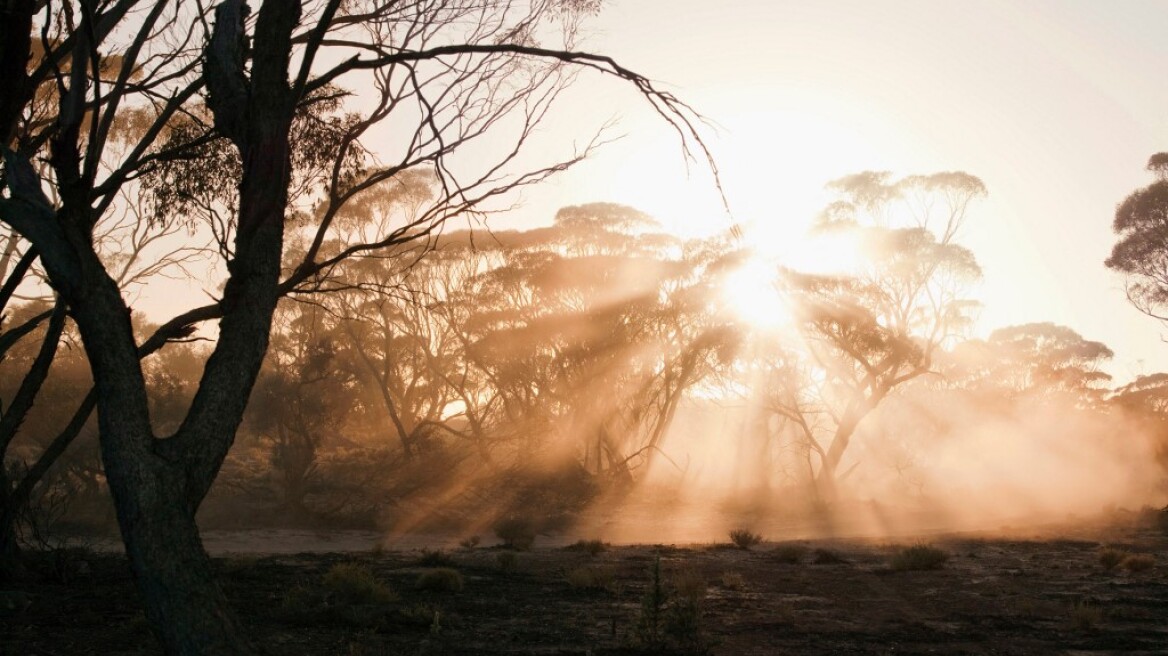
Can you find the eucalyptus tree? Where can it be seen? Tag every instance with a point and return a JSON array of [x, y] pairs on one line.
[[1034, 360], [863, 333], [1141, 250], [593, 331], [438, 79], [301, 400]]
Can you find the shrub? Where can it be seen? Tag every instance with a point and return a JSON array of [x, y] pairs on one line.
[[516, 532], [300, 600], [590, 547], [354, 584], [733, 581], [440, 579], [651, 620], [1109, 558], [671, 619], [790, 554], [508, 562], [689, 583], [683, 626], [744, 539], [1138, 562], [591, 578], [919, 557], [435, 558], [1085, 616], [827, 557]]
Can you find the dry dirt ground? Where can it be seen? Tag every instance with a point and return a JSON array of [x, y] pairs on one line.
[[992, 596]]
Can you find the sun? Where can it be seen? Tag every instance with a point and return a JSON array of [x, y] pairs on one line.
[[825, 253], [751, 292]]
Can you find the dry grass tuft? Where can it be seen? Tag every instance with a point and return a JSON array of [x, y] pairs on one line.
[[1110, 558], [440, 579], [354, 584], [918, 557]]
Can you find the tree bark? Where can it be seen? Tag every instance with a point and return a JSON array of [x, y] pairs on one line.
[[10, 564], [12, 418]]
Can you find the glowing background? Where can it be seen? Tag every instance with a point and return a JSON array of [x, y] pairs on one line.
[[1054, 105]]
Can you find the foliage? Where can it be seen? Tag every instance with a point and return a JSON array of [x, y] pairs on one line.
[[440, 579], [1085, 616], [508, 562], [670, 616], [918, 557], [1141, 249], [516, 532], [860, 334], [789, 553], [592, 578], [435, 558], [689, 583], [591, 547], [355, 584], [733, 581], [650, 627], [1036, 360], [827, 557], [744, 539], [1110, 558], [242, 132]]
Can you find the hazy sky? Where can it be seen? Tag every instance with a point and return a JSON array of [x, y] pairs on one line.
[[1055, 105]]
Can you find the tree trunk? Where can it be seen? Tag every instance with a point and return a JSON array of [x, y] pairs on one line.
[[10, 565], [184, 605]]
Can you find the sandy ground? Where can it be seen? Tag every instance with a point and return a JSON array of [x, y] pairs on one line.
[[1037, 594]]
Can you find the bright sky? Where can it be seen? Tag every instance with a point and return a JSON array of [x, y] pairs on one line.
[[1055, 105]]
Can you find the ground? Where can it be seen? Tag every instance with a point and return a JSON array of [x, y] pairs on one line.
[[992, 595]]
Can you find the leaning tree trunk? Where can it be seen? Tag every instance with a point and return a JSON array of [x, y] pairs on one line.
[[158, 484], [159, 492]]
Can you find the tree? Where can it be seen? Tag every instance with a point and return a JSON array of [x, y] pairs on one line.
[[1141, 252], [863, 334], [426, 68], [593, 332], [300, 399], [1034, 359]]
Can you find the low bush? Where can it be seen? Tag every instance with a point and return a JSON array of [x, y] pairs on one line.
[[791, 554], [919, 557], [1085, 616], [827, 557], [1138, 563], [1110, 558], [590, 547], [435, 558], [516, 532], [733, 581], [591, 578], [354, 584], [440, 579], [744, 539], [688, 583], [508, 562]]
